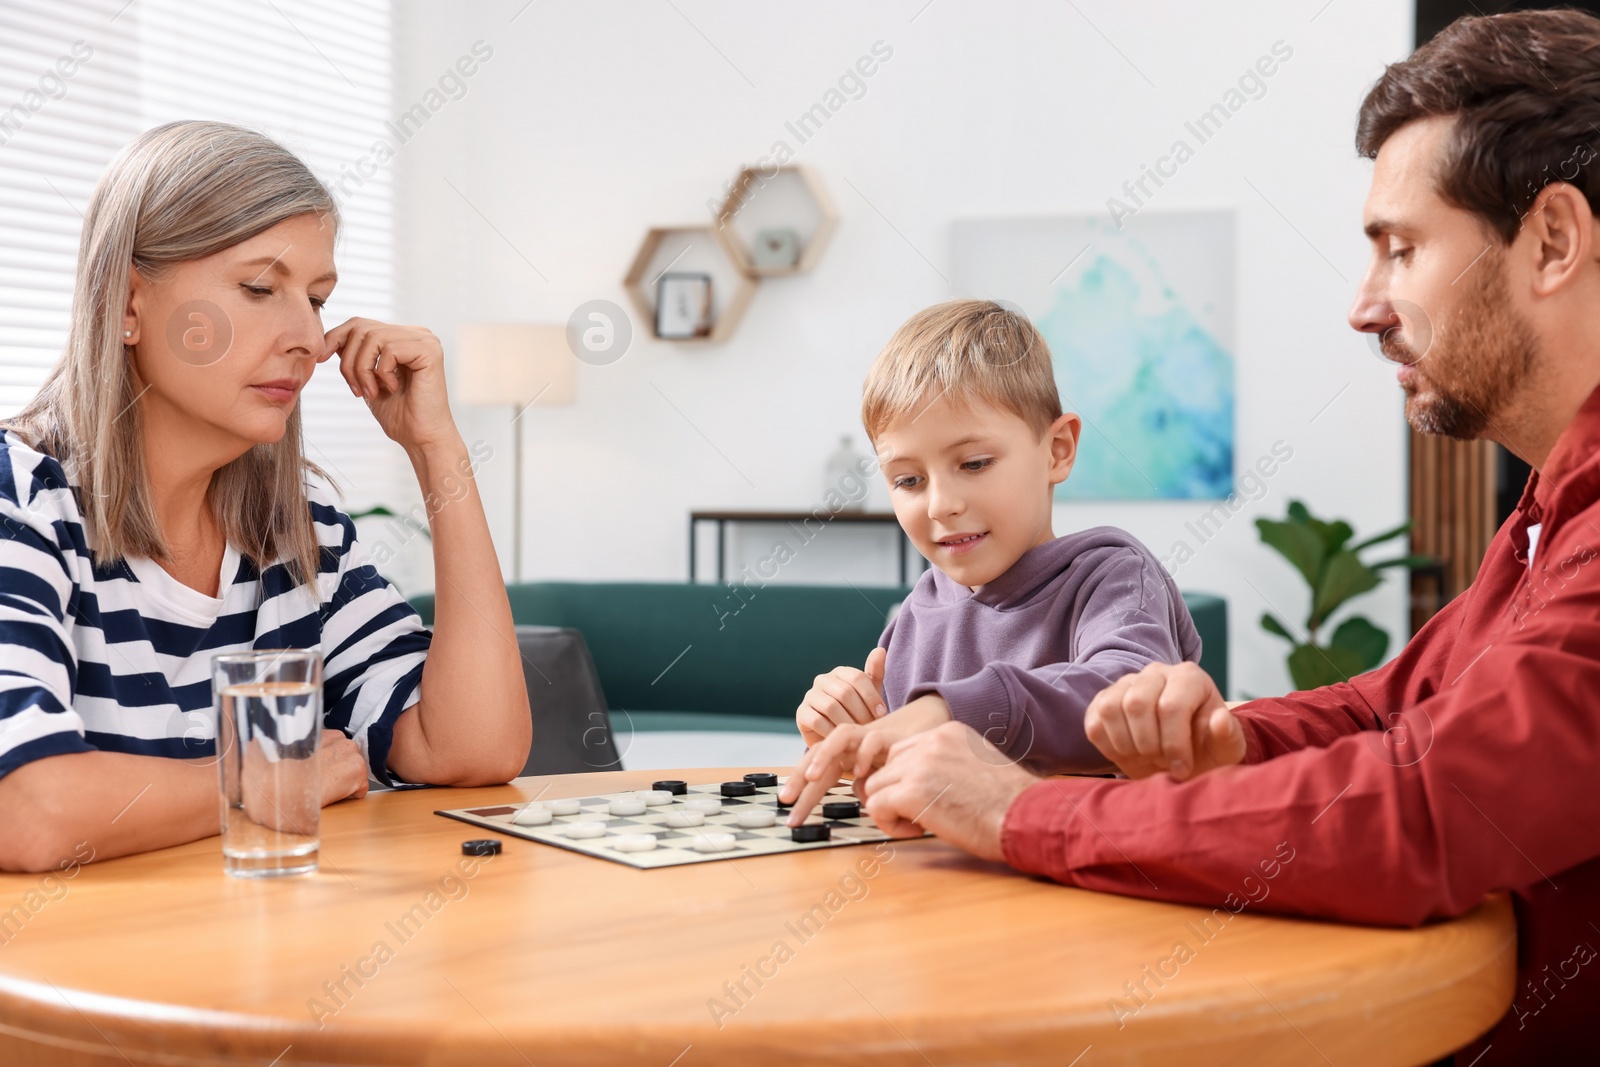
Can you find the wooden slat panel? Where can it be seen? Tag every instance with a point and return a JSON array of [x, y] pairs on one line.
[[1452, 495]]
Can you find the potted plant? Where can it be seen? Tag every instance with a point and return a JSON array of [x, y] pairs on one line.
[[1335, 572]]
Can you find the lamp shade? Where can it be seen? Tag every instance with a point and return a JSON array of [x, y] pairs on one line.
[[512, 363]]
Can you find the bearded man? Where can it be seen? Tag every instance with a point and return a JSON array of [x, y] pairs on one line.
[[1467, 765]]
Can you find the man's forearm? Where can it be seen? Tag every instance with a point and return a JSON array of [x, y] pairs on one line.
[[117, 803], [1316, 718]]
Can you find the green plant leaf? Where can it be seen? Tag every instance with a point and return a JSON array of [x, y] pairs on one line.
[[1312, 666], [1360, 636], [1402, 561], [1333, 534], [1323, 554], [1379, 539], [1297, 543], [1270, 623], [1343, 577], [378, 511]]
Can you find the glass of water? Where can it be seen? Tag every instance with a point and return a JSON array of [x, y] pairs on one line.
[[269, 729]]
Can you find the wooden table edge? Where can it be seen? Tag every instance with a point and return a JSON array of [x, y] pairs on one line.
[[41, 1015]]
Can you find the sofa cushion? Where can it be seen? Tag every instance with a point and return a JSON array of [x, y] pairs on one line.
[[741, 650], [745, 651]]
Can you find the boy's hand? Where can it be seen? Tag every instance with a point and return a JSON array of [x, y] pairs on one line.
[[1165, 718], [856, 750], [843, 695]]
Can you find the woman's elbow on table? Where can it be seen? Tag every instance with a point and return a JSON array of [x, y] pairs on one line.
[[33, 838], [496, 766], [485, 758], [505, 760], [510, 763]]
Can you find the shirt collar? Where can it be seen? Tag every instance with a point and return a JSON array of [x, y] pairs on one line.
[[1574, 449]]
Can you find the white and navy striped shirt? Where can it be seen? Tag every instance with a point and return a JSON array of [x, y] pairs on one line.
[[118, 657]]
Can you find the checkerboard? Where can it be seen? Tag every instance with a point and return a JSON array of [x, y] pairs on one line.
[[674, 844]]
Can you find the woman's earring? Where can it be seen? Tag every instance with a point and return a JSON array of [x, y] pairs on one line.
[[127, 333]]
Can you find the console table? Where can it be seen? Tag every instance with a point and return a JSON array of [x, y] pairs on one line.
[[723, 518]]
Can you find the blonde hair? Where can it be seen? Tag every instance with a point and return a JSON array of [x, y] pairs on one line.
[[969, 350], [176, 193]]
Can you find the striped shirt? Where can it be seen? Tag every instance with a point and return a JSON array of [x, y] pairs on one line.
[[117, 657]]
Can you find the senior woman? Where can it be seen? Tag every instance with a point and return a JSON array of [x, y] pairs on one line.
[[156, 509]]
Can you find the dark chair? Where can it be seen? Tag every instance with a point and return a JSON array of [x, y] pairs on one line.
[[571, 726]]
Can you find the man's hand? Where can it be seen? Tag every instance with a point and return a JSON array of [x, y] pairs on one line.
[[1165, 718], [855, 750], [949, 781], [843, 695]]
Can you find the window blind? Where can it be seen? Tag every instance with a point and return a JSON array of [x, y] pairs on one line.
[[67, 79], [318, 78]]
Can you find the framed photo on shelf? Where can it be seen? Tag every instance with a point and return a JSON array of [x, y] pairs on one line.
[[683, 306]]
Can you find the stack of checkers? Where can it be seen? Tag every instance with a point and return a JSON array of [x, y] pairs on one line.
[[674, 823]]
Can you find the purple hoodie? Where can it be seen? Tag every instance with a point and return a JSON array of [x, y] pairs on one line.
[[1020, 659]]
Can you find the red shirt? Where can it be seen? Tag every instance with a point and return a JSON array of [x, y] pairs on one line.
[[1468, 764]]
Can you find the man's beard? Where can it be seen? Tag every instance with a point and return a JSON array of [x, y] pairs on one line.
[[1473, 368]]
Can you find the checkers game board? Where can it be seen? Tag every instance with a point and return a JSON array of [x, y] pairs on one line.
[[675, 823]]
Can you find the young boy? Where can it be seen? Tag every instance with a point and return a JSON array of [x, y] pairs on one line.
[[1013, 630]]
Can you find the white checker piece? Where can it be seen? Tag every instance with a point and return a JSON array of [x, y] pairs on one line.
[[675, 844]]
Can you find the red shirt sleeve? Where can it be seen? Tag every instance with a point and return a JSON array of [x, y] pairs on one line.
[[1484, 782], [1315, 718]]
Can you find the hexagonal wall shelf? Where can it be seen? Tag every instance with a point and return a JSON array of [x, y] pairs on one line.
[[790, 197], [689, 249]]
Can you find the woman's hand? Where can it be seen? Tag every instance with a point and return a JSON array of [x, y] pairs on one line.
[[472, 725], [399, 371], [279, 801]]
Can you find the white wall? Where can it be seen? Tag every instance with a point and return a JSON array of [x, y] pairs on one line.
[[592, 122]]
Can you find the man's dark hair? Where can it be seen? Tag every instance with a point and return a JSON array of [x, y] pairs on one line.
[[1524, 88]]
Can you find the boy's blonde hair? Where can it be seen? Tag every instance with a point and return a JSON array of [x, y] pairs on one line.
[[970, 350]]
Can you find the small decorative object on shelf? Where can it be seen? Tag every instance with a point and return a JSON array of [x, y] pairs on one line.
[[770, 222], [776, 248], [683, 306], [764, 201], [845, 477]]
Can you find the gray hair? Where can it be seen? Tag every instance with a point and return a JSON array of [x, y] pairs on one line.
[[177, 192]]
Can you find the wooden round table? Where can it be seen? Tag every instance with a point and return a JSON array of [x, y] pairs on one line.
[[392, 954]]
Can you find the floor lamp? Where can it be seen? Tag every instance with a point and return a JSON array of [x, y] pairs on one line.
[[517, 365]]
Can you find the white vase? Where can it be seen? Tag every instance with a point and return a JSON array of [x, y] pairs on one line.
[[844, 477]]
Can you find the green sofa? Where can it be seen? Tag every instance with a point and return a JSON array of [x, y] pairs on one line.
[[674, 656]]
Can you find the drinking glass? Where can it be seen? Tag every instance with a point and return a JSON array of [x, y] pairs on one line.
[[269, 728]]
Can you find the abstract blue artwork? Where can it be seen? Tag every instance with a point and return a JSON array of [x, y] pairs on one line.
[[1140, 325]]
